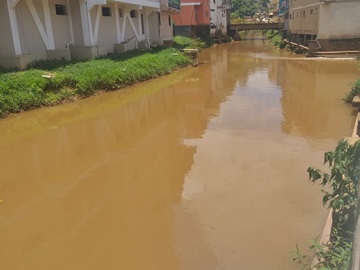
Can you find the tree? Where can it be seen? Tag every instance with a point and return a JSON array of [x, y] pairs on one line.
[[241, 8]]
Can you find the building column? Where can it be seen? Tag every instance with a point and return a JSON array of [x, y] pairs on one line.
[[14, 26], [146, 24], [85, 22], [46, 32]]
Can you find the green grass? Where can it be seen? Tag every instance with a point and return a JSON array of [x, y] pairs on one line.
[[275, 38], [63, 81], [182, 42]]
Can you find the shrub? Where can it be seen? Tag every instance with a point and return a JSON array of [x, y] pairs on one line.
[[192, 43], [341, 189], [355, 91]]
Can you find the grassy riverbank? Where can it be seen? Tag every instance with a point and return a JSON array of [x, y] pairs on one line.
[[275, 38], [52, 82]]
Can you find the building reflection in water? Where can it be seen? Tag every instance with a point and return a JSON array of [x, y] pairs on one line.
[[93, 185]]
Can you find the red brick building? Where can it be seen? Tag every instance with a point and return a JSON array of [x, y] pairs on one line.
[[194, 18]]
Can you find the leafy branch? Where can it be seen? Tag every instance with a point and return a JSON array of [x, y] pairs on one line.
[[341, 192]]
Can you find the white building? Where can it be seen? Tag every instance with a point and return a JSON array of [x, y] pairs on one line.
[[79, 29], [334, 23], [219, 16]]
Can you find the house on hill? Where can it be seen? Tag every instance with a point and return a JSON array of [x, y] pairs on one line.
[[80, 29], [334, 23]]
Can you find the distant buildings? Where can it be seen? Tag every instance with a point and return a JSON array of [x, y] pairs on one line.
[[274, 9], [80, 29], [202, 17], [335, 24]]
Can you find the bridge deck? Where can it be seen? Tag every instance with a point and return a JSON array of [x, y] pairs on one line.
[[256, 26]]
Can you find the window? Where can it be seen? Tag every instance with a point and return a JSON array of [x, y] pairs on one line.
[[159, 17], [60, 9], [121, 14], [311, 11], [106, 11], [169, 20], [133, 13], [315, 10]]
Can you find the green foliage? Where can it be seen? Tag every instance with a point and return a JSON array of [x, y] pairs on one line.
[[206, 41], [242, 8], [30, 89], [355, 91], [49, 64], [342, 184], [341, 189], [182, 42], [275, 38], [334, 255]]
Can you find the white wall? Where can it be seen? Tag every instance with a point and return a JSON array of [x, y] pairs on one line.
[[154, 27], [60, 25], [339, 20], [30, 38], [166, 29], [106, 33], [6, 41]]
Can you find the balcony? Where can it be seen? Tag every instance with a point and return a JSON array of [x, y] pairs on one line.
[[172, 6], [226, 4]]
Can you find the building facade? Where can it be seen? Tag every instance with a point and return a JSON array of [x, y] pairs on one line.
[[334, 23], [208, 17], [80, 29], [219, 16], [193, 19]]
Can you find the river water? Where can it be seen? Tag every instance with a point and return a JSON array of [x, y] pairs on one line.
[[202, 169]]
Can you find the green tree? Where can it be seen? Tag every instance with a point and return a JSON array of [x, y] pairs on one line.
[[241, 8]]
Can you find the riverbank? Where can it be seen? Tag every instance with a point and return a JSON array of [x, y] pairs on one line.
[[338, 246], [48, 83], [310, 48]]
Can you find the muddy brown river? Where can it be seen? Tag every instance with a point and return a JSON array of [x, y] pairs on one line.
[[202, 169]]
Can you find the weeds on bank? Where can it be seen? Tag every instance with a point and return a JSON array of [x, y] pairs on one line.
[[354, 91], [275, 38], [188, 43], [333, 255], [57, 81], [341, 189]]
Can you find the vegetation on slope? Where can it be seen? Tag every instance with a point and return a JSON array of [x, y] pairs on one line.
[[355, 91], [52, 82], [275, 38], [242, 8]]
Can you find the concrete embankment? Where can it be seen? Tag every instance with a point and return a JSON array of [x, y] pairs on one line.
[[325, 236], [356, 243]]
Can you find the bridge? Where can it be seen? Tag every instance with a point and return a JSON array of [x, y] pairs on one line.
[[256, 26], [235, 28]]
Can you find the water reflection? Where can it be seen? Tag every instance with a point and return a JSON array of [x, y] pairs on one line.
[[92, 185], [201, 169], [322, 84]]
